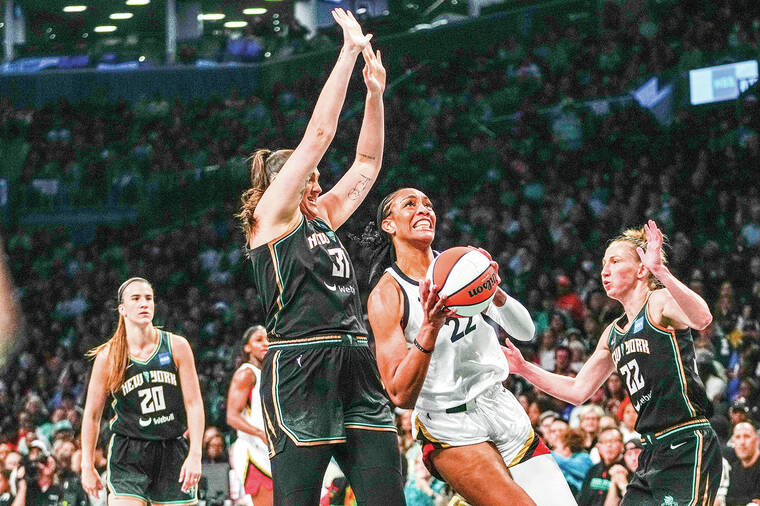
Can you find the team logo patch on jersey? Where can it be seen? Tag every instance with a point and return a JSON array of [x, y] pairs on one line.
[[164, 358], [638, 325]]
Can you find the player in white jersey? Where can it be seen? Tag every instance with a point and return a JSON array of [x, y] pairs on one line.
[[474, 433], [250, 453]]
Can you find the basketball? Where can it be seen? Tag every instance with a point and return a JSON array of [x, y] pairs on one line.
[[466, 277]]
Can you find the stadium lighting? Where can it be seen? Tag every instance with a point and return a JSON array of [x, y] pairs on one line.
[[236, 24], [104, 29], [121, 15], [254, 11], [75, 8], [210, 17], [138, 2]]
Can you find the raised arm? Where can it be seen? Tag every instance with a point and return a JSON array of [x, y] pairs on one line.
[[279, 204], [677, 306], [403, 369], [93, 411], [348, 193], [196, 419], [575, 390], [240, 388]]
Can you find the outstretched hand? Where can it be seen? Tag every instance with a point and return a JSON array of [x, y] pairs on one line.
[[353, 38], [652, 258], [514, 356], [374, 72]]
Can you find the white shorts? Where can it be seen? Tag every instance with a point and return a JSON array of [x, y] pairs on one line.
[[495, 415], [244, 453]]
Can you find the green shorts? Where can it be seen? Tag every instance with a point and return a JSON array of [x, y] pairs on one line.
[[680, 467], [312, 390], [148, 470]]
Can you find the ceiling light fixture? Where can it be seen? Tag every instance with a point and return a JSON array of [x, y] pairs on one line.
[[138, 2], [254, 11], [236, 24], [210, 16], [121, 15], [75, 8], [104, 29]]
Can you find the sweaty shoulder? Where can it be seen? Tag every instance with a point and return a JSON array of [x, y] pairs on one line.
[[604, 339]]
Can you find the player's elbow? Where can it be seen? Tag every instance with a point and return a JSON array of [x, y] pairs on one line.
[[704, 321], [402, 400]]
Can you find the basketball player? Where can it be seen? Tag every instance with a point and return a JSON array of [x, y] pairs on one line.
[[651, 347], [321, 393], [249, 452], [474, 432], [156, 396]]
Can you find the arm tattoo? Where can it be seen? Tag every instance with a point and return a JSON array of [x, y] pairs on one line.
[[368, 157], [358, 190]]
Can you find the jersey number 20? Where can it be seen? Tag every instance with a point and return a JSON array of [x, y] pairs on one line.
[[152, 399]]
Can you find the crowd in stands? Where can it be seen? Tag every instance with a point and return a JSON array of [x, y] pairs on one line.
[[511, 163]]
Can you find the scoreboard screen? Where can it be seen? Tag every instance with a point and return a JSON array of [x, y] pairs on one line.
[[722, 82]]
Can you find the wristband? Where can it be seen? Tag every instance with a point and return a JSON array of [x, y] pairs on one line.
[[419, 347]]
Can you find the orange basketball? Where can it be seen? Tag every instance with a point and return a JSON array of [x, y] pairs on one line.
[[466, 277]]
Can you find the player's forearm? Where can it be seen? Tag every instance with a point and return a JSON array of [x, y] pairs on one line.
[[515, 318], [369, 147], [410, 374], [694, 307], [90, 429], [562, 387], [196, 422], [236, 421], [324, 119]]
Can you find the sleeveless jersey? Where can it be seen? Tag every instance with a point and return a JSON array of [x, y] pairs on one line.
[[659, 369], [149, 404], [307, 284], [252, 411], [467, 359]]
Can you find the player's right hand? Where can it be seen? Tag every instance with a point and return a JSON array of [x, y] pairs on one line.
[[91, 481], [353, 38]]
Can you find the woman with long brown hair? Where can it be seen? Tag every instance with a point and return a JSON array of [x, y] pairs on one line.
[[150, 373], [321, 395]]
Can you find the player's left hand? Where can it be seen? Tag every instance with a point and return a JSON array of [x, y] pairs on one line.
[[651, 258], [190, 474], [373, 72]]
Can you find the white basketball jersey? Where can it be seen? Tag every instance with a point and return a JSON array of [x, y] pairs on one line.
[[467, 358], [252, 411]]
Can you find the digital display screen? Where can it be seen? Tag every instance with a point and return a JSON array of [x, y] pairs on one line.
[[722, 82]]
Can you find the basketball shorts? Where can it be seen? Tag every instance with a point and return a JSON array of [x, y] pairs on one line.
[[313, 389], [678, 466], [148, 470], [250, 460], [496, 416]]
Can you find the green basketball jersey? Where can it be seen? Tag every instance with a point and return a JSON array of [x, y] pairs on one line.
[[149, 404], [659, 369], [306, 284]]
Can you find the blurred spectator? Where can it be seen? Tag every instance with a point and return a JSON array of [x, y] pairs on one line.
[[573, 461], [744, 473], [627, 416], [596, 485], [214, 485]]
